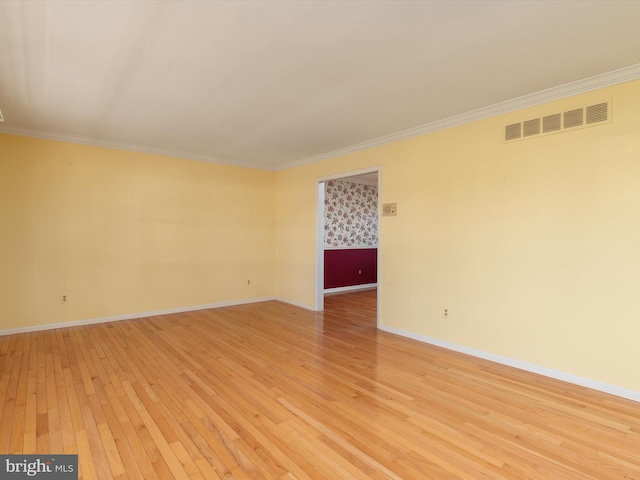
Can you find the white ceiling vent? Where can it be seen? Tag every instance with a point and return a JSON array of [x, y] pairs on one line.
[[599, 113]]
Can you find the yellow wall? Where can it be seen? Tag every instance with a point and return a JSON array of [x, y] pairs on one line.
[[533, 246], [122, 232]]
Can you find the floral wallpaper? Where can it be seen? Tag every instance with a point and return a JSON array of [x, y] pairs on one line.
[[350, 214]]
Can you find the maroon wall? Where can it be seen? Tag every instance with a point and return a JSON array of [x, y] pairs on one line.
[[342, 267]]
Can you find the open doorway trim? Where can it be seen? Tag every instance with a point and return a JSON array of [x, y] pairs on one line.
[[319, 297]]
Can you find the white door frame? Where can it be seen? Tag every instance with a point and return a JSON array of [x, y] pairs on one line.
[[319, 301]]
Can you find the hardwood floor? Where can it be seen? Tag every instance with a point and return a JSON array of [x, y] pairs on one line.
[[273, 391]]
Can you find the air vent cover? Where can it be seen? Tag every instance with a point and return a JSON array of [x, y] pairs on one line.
[[551, 123], [573, 118], [597, 113], [581, 117], [511, 132], [531, 127]]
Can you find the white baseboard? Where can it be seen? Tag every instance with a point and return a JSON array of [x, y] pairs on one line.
[[296, 304], [547, 372], [130, 316], [350, 288]]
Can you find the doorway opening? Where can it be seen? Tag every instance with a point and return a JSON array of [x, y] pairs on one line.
[[348, 229]]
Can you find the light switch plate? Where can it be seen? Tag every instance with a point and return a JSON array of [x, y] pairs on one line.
[[389, 209]]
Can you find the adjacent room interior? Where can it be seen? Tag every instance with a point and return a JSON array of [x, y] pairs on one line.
[[293, 240], [348, 237]]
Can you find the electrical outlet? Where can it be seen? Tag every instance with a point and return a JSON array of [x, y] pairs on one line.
[[65, 299], [248, 282], [445, 314]]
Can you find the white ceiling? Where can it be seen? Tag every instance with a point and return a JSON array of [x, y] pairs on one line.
[[275, 83], [370, 178]]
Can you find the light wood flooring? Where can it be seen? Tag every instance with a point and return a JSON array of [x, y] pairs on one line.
[[273, 391]]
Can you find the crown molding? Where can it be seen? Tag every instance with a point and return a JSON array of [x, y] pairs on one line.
[[607, 79], [131, 147]]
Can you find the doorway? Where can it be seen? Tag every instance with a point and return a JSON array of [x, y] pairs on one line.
[[360, 184]]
